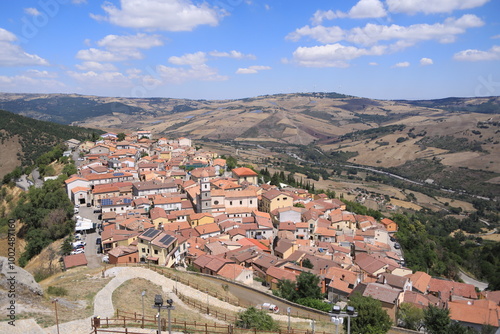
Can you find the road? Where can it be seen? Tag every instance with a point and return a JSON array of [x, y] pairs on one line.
[[469, 280], [94, 260]]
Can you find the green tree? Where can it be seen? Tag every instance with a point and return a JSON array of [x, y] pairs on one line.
[[121, 136], [371, 319], [258, 319], [436, 320], [231, 162], [308, 286], [286, 289], [66, 246], [411, 316], [307, 264]]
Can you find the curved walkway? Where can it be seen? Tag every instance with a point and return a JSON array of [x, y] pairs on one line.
[[103, 303]]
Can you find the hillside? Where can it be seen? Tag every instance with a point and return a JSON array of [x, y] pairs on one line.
[[447, 136], [26, 139]]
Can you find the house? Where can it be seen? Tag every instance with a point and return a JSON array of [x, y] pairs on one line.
[[211, 264], [398, 282], [197, 219], [72, 261], [156, 247], [274, 199], [123, 254], [340, 283], [420, 281], [143, 189], [390, 297], [208, 230], [444, 289], [275, 274], [475, 314], [76, 182], [235, 272], [116, 204], [285, 248], [389, 225], [245, 174]]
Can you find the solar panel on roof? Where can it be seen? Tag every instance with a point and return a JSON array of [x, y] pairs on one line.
[[107, 201], [118, 174], [149, 233], [166, 240], [127, 200]]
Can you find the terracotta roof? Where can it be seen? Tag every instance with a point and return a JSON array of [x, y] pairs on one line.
[[122, 251], [476, 312], [447, 288], [244, 171], [76, 260], [420, 281]]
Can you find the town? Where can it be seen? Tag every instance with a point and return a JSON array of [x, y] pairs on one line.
[[165, 202]]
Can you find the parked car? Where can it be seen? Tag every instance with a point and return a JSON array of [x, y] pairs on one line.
[[77, 205], [78, 236], [77, 251], [98, 241], [76, 210], [392, 238], [88, 205], [397, 246]]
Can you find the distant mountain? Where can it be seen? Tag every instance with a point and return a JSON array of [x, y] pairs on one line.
[[23, 139], [456, 132]]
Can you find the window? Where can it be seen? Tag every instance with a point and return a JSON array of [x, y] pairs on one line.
[[241, 202], [230, 202], [144, 250], [251, 202], [216, 202], [156, 252]]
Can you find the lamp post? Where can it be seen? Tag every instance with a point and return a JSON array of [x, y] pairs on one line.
[[158, 304], [337, 316], [288, 311], [143, 294], [208, 305]]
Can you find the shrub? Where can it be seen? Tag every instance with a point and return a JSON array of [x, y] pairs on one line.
[[57, 291]]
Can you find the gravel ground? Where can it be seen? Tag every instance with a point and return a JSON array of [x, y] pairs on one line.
[[103, 306]]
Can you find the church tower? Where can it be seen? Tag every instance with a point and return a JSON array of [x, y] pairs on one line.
[[205, 197]]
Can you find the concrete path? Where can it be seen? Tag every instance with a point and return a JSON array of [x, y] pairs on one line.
[[103, 304]]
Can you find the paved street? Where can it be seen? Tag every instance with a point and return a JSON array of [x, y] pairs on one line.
[[94, 260]]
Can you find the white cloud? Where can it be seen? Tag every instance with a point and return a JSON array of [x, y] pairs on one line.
[[426, 61], [320, 33], [120, 48], [373, 63], [101, 79], [367, 9], [431, 6], [41, 74], [169, 15], [97, 55], [231, 54], [78, 2], [13, 55], [32, 11], [197, 58], [478, 55], [267, 7], [321, 15], [130, 42], [371, 34], [31, 80], [362, 10], [252, 69], [331, 55], [96, 66], [495, 37], [402, 64], [177, 75]]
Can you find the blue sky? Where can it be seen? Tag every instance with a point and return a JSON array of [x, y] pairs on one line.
[[223, 49]]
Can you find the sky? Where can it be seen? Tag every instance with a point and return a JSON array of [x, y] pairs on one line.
[[228, 49]]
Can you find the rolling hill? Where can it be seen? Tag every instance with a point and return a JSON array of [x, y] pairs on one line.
[[452, 133], [23, 139]]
